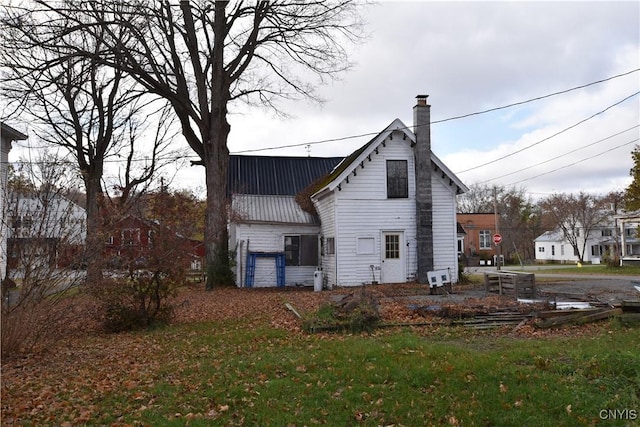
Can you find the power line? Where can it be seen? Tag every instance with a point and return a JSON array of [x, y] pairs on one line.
[[324, 141], [560, 156], [575, 163], [539, 97], [368, 134], [549, 137]]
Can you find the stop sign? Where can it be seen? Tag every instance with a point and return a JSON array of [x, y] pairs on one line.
[[497, 238]]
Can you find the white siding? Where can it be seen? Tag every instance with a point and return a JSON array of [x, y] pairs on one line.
[[269, 238], [445, 251], [326, 212], [363, 210]]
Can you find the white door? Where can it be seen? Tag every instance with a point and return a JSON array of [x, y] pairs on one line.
[[393, 257]]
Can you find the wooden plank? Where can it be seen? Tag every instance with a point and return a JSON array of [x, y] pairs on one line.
[[580, 318], [547, 314], [631, 306]]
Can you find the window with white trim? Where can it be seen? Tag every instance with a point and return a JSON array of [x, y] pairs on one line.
[[485, 239], [397, 179]]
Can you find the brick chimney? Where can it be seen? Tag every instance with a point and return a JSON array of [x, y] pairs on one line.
[[424, 204]]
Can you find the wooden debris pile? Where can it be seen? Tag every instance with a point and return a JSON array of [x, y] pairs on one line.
[[540, 314]]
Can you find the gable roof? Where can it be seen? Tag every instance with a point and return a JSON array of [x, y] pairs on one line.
[[283, 176], [10, 133], [357, 158]]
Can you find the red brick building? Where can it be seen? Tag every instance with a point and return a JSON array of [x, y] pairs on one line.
[[478, 247]]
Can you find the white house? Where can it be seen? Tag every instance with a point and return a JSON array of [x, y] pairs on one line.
[[615, 236], [43, 227], [629, 226], [385, 214], [7, 136]]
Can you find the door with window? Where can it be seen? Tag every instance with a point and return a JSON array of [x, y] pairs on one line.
[[393, 257]]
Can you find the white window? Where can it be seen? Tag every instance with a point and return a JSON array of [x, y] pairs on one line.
[[485, 239], [540, 248], [366, 245]]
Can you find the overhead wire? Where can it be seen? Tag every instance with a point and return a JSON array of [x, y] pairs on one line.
[[576, 162], [549, 137], [368, 134], [561, 155], [324, 141]]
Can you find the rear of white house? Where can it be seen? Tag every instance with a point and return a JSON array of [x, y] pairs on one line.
[[353, 220]]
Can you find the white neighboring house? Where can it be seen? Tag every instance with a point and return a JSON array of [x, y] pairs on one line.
[[629, 225], [605, 239], [46, 227], [7, 136], [367, 224]]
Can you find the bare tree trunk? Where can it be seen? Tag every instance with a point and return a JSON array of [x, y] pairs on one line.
[[216, 159], [94, 240]]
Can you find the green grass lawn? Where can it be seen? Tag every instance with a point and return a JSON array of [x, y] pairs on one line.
[[239, 374]]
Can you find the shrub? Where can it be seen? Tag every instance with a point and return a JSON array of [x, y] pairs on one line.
[[137, 301]]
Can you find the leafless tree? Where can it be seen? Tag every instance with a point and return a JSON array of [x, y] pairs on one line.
[[202, 56], [45, 231], [519, 217], [74, 101], [576, 216]]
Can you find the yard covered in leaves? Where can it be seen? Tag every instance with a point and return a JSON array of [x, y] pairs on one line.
[[239, 357]]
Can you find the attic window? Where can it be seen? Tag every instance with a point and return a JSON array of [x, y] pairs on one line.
[[397, 179]]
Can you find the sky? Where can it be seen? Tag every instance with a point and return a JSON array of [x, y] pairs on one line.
[[470, 57]]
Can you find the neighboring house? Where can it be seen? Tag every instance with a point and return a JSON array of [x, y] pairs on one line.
[[7, 136], [386, 214], [629, 229], [44, 227], [612, 238], [131, 238], [478, 247]]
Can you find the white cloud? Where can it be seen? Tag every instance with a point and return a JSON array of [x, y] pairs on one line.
[[471, 56]]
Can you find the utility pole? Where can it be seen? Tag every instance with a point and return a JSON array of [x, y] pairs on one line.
[[497, 224]]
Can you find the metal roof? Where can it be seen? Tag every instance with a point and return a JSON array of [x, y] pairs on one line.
[[286, 176], [269, 209]]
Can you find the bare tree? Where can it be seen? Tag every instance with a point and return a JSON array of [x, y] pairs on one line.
[[519, 216], [75, 102], [202, 56], [45, 233], [576, 216]]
